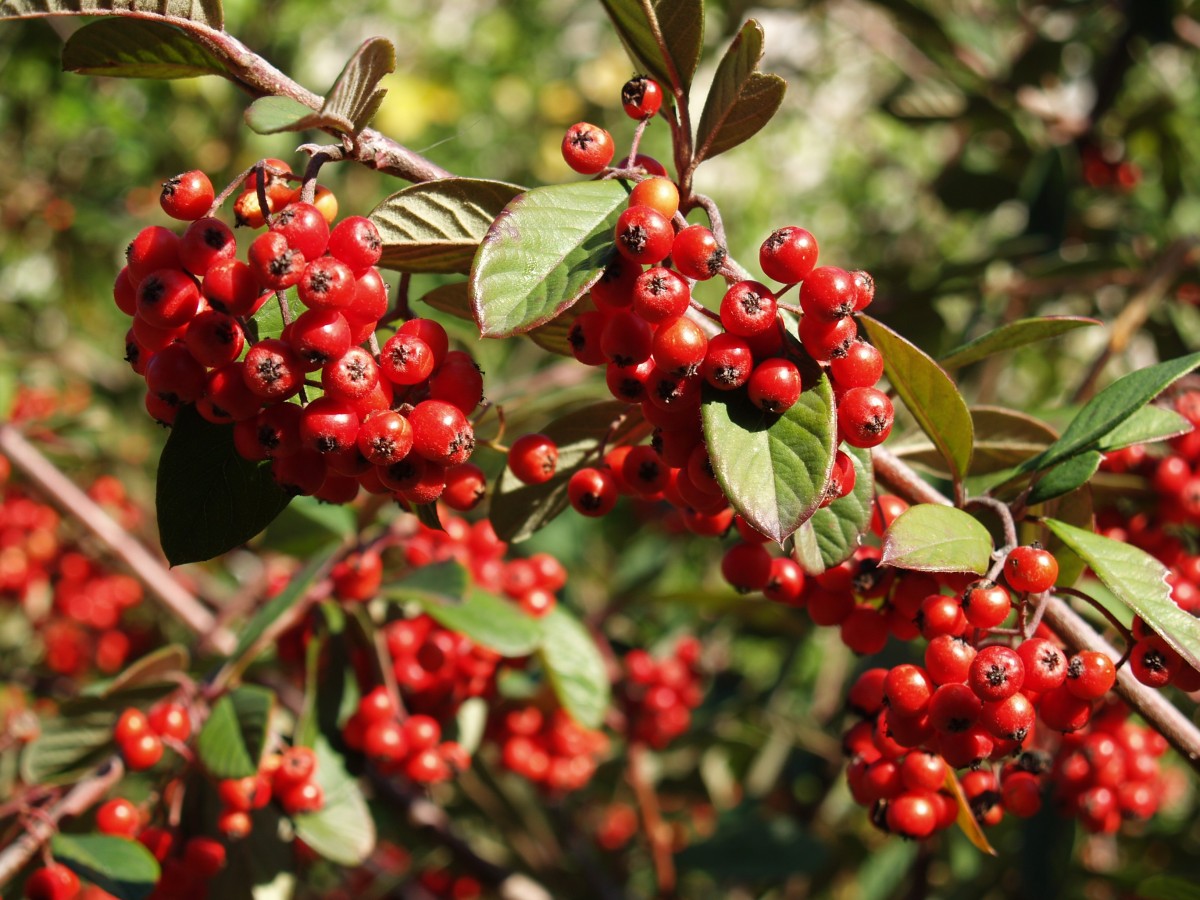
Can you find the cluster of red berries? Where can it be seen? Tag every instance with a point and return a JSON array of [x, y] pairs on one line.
[[76, 602], [436, 668], [140, 736], [660, 694], [52, 882], [392, 421], [411, 745], [1105, 170], [289, 778], [185, 870], [548, 748], [446, 885]]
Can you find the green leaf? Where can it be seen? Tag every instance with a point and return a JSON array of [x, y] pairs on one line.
[[748, 846], [441, 583], [1109, 410], [455, 299], [157, 667], [1148, 424], [342, 831], [518, 510], [1014, 334], [681, 24], [271, 115], [80, 737], [1139, 581], [1004, 438], [934, 538], [929, 393], [575, 667], [1065, 477], [230, 744], [124, 868], [1167, 887], [437, 226], [488, 620], [835, 532], [318, 564], [742, 99], [203, 12], [355, 96], [308, 525], [133, 48], [544, 250], [209, 499], [773, 468]]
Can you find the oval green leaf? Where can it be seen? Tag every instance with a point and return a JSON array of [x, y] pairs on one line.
[[272, 115], [934, 538], [124, 868], [1139, 581], [158, 667], [442, 584], [343, 830], [231, 743], [519, 510], [1004, 438], [209, 499], [681, 24], [1108, 410], [930, 395], [575, 667], [835, 532], [454, 299], [1148, 424], [1065, 477], [542, 253], [135, 48], [204, 12], [1013, 335], [742, 99], [437, 226], [773, 468]]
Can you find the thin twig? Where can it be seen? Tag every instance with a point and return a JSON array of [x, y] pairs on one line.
[[153, 574], [664, 863]]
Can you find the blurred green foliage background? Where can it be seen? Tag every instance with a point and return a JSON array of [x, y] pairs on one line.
[[984, 159]]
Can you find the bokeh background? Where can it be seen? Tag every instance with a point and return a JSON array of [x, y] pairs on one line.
[[985, 160]]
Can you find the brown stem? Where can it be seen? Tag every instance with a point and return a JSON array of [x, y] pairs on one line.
[[893, 470], [153, 574], [1116, 623], [660, 849], [82, 797]]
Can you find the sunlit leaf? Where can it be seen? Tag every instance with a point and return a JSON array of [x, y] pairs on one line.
[[343, 830], [124, 868], [1065, 477], [930, 537], [835, 532], [203, 12], [1012, 335], [575, 667], [231, 743], [542, 253], [679, 23]]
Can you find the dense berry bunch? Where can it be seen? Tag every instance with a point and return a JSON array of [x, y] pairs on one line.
[[390, 419], [661, 693], [411, 746], [436, 668], [549, 748]]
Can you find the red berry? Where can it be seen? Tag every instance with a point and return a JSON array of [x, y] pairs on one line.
[[142, 751], [912, 815], [406, 359], [727, 362], [328, 425], [587, 148], [748, 308], [774, 386], [273, 370], [167, 298], [865, 417], [296, 765], [171, 720], [644, 235], [533, 458], [788, 255], [997, 673], [679, 347], [746, 567], [204, 244], [187, 196], [304, 227], [592, 491], [696, 253], [1045, 665], [659, 295], [1030, 569], [441, 433], [860, 366], [52, 882], [642, 97], [327, 283], [118, 817], [466, 486], [1090, 674], [355, 241], [985, 604], [203, 857], [827, 293]]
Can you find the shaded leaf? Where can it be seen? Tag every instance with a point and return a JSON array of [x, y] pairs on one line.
[[930, 537], [355, 96], [137, 48], [156, 667], [231, 743], [1148, 424], [742, 99], [1110, 408], [1065, 477], [929, 393], [208, 498], [1004, 438], [1168, 887], [575, 667], [307, 525], [124, 868], [342, 831], [1139, 581], [80, 737], [834, 533], [439, 584], [748, 846], [542, 253], [437, 226], [271, 115], [1014, 334], [773, 468], [205, 12], [518, 510], [681, 24]]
